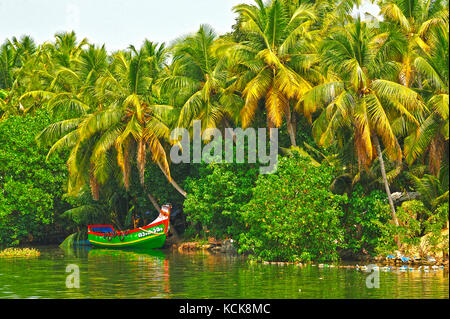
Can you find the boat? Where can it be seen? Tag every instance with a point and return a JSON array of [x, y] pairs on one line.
[[150, 236]]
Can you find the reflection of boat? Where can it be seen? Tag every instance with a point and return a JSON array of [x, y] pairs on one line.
[[137, 273], [150, 236], [128, 254]]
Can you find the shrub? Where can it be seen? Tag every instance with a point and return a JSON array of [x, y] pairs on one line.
[[293, 215], [215, 198], [366, 222], [411, 215], [434, 227], [31, 188]]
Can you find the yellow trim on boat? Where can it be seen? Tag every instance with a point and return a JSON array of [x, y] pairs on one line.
[[126, 243]]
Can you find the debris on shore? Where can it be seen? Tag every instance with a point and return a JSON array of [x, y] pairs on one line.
[[212, 245]]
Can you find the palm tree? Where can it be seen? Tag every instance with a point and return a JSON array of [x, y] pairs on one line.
[[432, 190], [414, 18], [196, 81], [433, 134], [274, 62], [129, 85], [67, 49], [13, 54], [126, 120], [359, 94], [8, 56], [54, 77]]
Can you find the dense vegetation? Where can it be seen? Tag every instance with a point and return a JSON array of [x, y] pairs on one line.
[[31, 188], [361, 106]]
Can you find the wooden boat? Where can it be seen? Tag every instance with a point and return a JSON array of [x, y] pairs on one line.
[[150, 236]]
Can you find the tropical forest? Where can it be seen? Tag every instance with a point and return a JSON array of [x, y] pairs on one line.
[[360, 104]]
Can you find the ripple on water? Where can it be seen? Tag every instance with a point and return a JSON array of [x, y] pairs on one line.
[[117, 274]]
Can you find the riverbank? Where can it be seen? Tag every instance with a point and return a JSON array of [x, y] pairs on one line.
[[410, 257], [215, 246], [211, 245]]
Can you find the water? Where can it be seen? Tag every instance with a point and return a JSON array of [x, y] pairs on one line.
[[168, 274]]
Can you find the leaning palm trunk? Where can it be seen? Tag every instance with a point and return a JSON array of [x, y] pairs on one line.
[[386, 184], [172, 181], [154, 202], [385, 181]]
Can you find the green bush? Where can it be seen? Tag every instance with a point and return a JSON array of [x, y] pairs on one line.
[[31, 188], [216, 197], [293, 215], [434, 226], [411, 216], [366, 222]]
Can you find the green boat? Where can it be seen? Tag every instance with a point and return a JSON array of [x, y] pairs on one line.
[[150, 236]]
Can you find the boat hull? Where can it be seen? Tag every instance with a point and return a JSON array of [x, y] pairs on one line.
[[148, 237]]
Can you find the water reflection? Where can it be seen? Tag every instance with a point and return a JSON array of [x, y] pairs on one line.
[[136, 273], [107, 273]]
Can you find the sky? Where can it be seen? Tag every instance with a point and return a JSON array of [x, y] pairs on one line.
[[118, 23]]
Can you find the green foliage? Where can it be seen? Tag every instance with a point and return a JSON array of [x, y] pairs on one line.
[[366, 221], [159, 187], [215, 198], [439, 218], [433, 191], [434, 226], [293, 215], [418, 226], [287, 64], [85, 211], [31, 188], [411, 215]]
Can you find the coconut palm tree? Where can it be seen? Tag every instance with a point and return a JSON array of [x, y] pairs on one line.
[[129, 84], [359, 94], [196, 81], [8, 57], [432, 137], [54, 77], [274, 62], [125, 121], [414, 18], [13, 54]]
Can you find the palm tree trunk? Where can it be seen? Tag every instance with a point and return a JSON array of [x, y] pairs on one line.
[[386, 184], [291, 128], [385, 181], [154, 202], [178, 187], [174, 184]]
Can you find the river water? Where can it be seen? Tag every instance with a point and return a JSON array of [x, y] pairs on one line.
[[169, 274]]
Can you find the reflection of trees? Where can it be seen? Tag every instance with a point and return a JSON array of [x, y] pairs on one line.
[[128, 274], [198, 275]]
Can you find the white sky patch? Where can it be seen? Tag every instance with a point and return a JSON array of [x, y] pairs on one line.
[[119, 23], [366, 10], [72, 17]]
